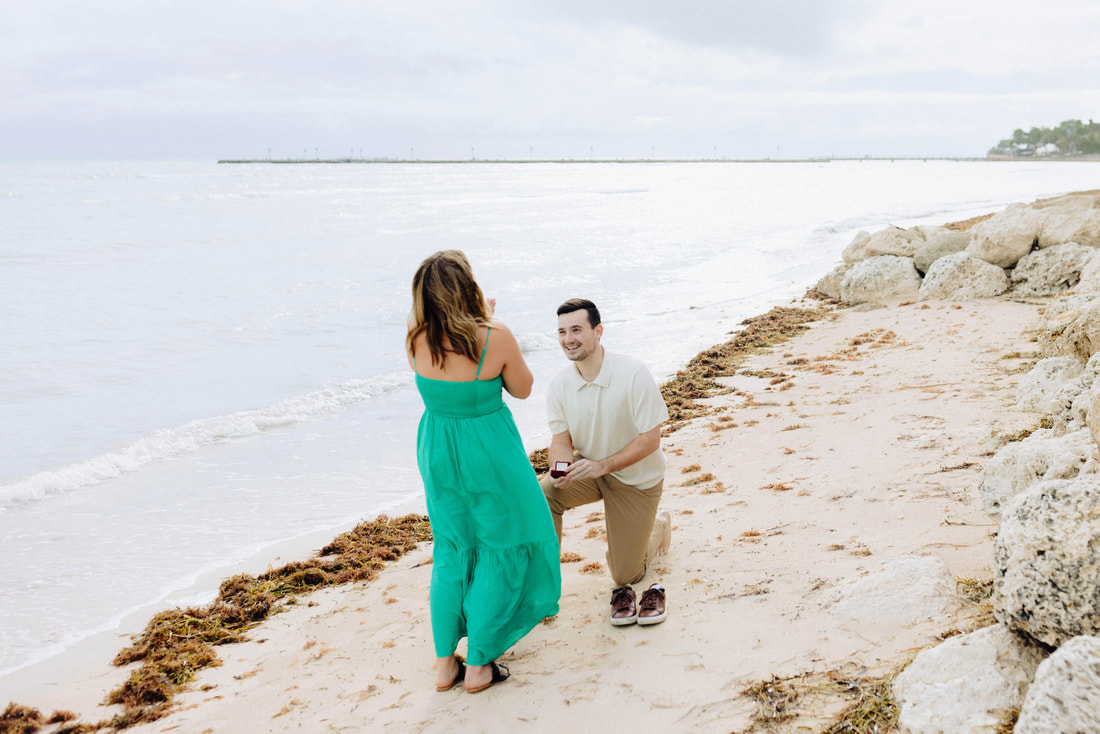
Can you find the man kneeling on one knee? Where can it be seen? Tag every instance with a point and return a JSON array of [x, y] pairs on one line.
[[605, 412]]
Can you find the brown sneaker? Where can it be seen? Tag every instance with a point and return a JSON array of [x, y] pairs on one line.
[[652, 610], [623, 608]]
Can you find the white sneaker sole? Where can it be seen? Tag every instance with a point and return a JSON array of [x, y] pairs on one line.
[[623, 621], [643, 621]]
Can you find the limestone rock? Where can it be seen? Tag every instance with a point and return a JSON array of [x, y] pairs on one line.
[[1073, 332], [962, 277], [1042, 456], [1080, 201], [1092, 415], [894, 241], [904, 592], [965, 683], [890, 241], [1046, 581], [1061, 387], [885, 279], [1053, 270], [1083, 228], [1073, 218], [1090, 277], [1038, 388], [857, 248], [830, 283], [1005, 237], [1073, 303], [1070, 404], [939, 241], [1065, 694], [1091, 371]]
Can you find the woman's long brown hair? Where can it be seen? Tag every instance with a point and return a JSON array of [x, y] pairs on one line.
[[448, 306]]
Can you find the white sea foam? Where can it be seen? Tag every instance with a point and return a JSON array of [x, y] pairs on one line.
[[536, 342], [174, 442]]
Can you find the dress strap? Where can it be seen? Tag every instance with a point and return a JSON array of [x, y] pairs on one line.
[[483, 350]]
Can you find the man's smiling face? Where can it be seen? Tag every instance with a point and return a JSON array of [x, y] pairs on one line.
[[577, 337]]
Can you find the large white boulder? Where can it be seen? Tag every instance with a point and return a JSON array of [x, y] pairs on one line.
[[1061, 387], [1050, 271], [1073, 331], [902, 593], [1073, 218], [939, 241], [890, 241], [1039, 389], [894, 241], [1042, 456], [830, 282], [1089, 281], [1046, 581], [1005, 237], [1069, 305], [964, 684], [886, 279], [857, 248], [962, 277], [1065, 694]]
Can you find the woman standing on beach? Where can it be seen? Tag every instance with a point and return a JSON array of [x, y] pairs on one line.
[[496, 571]]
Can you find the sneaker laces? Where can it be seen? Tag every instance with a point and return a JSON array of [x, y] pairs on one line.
[[622, 598], [651, 597]]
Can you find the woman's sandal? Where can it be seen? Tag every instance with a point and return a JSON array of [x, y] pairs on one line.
[[500, 674], [459, 676]]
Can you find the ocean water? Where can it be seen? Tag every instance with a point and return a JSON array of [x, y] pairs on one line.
[[201, 363]]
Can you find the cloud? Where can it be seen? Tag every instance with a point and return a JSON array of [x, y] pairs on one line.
[[564, 76]]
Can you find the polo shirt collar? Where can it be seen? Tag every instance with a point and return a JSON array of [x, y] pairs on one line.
[[603, 379]]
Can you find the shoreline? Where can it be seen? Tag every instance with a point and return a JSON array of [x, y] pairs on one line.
[[89, 658], [750, 580], [693, 446], [694, 499]]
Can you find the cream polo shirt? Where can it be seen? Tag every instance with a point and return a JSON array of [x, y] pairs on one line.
[[604, 415]]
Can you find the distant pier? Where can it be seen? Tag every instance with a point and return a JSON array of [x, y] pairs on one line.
[[403, 161]]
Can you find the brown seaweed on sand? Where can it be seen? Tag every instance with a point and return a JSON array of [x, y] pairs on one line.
[[177, 643], [17, 719], [868, 701], [696, 381]]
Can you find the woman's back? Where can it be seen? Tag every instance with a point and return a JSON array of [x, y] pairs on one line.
[[500, 357]]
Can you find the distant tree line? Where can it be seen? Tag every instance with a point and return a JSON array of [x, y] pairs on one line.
[[1070, 138]]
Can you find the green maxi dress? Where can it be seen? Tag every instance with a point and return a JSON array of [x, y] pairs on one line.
[[495, 569]]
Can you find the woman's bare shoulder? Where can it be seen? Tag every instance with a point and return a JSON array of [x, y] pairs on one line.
[[499, 325], [502, 332]]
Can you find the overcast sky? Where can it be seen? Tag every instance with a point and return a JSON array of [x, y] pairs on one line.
[[542, 78]]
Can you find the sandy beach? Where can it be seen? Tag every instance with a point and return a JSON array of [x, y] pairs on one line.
[[853, 448]]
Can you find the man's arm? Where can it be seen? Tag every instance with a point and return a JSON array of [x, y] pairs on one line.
[[632, 453], [561, 448]]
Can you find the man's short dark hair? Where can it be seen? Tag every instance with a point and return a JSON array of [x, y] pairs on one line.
[[581, 304]]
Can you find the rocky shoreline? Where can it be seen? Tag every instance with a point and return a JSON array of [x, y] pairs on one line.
[[831, 495], [1039, 665]]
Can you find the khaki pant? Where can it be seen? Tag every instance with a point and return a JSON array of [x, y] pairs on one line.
[[629, 513]]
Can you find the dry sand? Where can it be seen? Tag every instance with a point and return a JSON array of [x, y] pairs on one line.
[[870, 452]]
